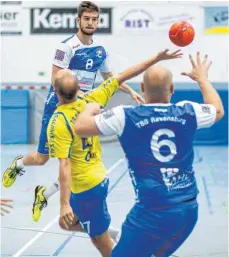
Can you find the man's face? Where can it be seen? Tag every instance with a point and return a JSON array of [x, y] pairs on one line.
[[88, 22]]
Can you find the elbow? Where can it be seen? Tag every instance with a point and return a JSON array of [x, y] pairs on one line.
[[219, 113]]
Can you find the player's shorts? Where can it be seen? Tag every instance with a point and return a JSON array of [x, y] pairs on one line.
[[147, 233], [50, 107], [91, 209]]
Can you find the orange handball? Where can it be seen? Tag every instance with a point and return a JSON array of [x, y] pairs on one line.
[[181, 33]]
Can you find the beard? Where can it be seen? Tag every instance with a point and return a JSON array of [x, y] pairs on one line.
[[88, 32]]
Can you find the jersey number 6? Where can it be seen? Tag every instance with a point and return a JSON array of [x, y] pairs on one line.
[[156, 145]]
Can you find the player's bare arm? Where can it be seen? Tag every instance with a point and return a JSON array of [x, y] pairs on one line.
[[125, 88], [66, 213], [199, 73], [85, 124], [55, 70], [138, 69]]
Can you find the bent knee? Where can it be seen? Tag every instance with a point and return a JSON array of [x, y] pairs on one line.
[[102, 239], [42, 159]]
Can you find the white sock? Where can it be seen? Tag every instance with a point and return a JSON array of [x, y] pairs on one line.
[[55, 187], [114, 233], [19, 163]]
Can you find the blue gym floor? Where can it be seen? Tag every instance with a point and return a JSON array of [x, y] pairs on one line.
[[20, 236]]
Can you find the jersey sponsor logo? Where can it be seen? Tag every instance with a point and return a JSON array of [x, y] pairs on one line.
[[52, 136], [82, 54], [76, 46], [59, 55], [63, 21], [108, 114], [50, 97], [160, 110], [206, 109]]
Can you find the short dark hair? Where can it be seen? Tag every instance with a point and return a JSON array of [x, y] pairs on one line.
[[87, 6]]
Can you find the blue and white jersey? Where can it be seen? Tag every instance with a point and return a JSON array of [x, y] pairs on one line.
[[84, 60], [158, 143]]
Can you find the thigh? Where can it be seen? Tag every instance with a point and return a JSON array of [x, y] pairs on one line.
[[141, 234], [136, 243], [91, 209], [189, 217]]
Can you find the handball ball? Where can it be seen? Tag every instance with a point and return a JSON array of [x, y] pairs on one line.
[[181, 33]]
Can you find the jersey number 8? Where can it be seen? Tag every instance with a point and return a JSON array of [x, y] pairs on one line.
[[89, 64]]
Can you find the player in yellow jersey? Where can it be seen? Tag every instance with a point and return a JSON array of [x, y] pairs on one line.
[[82, 175]]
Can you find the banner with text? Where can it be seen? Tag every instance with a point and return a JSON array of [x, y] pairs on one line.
[[10, 18], [63, 21], [139, 20]]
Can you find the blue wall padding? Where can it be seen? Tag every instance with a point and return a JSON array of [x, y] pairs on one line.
[[217, 134], [14, 116]]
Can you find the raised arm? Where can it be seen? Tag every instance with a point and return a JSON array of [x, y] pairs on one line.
[[85, 123], [125, 88], [199, 73], [138, 69]]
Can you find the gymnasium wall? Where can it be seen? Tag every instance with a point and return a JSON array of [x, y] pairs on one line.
[[131, 31]]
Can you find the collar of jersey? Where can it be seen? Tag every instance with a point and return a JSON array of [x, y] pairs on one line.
[[83, 43], [67, 105], [159, 104]]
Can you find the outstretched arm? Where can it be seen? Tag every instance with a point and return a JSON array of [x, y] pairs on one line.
[[138, 69], [125, 88], [85, 123]]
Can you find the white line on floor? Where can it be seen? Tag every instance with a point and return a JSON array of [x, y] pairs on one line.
[[52, 222], [27, 245], [115, 165]]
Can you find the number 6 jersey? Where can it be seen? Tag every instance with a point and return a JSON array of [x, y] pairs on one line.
[[83, 60], [158, 143]]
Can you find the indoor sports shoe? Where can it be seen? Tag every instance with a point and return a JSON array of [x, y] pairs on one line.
[[11, 173], [39, 203]]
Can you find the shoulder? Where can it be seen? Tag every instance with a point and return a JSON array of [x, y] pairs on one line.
[[69, 44], [97, 43]]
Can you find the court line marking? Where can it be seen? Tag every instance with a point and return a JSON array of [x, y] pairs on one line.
[[52, 222], [210, 209], [31, 241]]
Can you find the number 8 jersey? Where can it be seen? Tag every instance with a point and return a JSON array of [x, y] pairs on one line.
[[83, 60], [158, 144]]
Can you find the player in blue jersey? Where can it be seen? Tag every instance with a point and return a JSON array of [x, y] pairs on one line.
[[85, 57], [157, 139]]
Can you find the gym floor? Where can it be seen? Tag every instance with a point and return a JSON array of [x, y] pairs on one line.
[[20, 236]]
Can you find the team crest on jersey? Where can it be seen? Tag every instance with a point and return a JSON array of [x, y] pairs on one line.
[[99, 53]]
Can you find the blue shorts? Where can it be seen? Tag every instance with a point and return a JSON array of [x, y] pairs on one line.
[[50, 107], [91, 209], [146, 232]]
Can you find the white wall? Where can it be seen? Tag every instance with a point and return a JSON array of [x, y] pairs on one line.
[[23, 57]]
